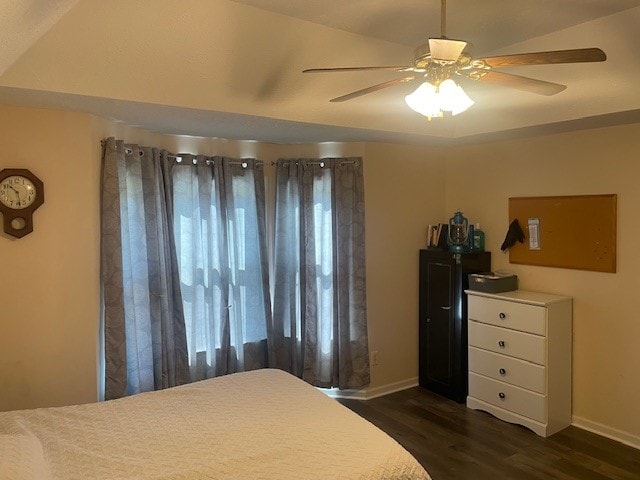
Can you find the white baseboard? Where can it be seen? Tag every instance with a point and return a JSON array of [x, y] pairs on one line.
[[368, 393], [609, 432]]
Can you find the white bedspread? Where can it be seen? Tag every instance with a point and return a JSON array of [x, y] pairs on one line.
[[264, 424]]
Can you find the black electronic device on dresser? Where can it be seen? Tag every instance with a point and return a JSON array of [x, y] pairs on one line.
[[444, 276]]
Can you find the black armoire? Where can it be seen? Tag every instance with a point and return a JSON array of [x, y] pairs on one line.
[[443, 319]]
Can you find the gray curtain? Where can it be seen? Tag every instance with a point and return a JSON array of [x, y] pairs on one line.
[[219, 219], [320, 327], [144, 334]]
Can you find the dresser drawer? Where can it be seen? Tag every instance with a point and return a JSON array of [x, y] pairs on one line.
[[518, 316], [507, 342], [507, 369], [517, 400]]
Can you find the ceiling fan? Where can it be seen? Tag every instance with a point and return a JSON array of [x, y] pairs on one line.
[[442, 59]]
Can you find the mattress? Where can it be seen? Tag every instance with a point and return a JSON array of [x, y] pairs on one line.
[[263, 424]]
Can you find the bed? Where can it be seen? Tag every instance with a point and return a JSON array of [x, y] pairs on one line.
[[263, 424]]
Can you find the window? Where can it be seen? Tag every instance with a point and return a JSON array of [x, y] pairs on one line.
[[220, 251]]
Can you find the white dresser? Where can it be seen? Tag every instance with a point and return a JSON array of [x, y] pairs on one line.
[[520, 358]]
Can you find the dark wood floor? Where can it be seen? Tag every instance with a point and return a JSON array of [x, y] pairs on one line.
[[453, 442]]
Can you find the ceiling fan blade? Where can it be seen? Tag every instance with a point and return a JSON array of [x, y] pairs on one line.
[[516, 81], [544, 58], [397, 68], [371, 89]]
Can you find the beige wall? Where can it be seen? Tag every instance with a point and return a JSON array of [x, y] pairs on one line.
[[49, 336], [606, 322], [404, 192], [49, 282]]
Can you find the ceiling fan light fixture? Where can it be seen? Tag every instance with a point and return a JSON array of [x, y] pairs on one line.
[[445, 50], [432, 101], [440, 59]]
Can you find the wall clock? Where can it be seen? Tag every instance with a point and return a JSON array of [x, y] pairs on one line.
[[21, 193]]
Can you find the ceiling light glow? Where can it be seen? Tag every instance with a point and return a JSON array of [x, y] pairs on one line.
[[433, 100]]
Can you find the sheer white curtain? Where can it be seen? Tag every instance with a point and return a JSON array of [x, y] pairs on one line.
[[319, 296], [145, 343], [219, 228]]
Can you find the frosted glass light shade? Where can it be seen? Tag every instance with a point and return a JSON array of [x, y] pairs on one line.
[[452, 97], [431, 101], [424, 100]]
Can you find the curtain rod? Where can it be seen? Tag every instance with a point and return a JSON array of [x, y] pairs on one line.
[[315, 162], [258, 163], [241, 163], [178, 159]]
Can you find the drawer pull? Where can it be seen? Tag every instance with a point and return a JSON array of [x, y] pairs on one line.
[[502, 395], [503, 371], [501, 344], [445, 308], [502, 316]]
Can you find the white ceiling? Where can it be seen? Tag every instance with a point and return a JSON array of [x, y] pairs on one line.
[[23, 22], [296, 109], [489, 24]]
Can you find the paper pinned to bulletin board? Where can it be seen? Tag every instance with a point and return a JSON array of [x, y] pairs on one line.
[[566, 231]]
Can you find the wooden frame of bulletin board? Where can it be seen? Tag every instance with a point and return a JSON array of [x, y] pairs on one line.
[[574, 231]]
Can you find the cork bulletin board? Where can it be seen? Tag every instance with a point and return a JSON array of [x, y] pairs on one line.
[[576, 232]]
